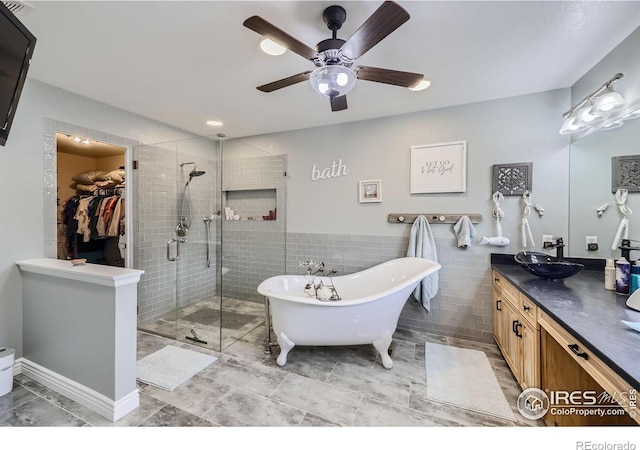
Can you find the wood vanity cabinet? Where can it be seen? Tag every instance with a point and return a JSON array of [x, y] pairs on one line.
[[516, 331], [567, 366]]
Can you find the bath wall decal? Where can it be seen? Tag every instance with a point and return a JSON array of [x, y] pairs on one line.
[[336, 169], [439, 168]]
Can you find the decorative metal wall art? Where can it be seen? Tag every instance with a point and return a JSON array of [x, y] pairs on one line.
[[512, 179], [625, 173]]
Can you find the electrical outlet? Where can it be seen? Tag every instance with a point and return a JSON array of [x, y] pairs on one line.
[[592, 243], [547, 238]]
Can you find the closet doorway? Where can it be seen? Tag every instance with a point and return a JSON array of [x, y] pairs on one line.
[[91, 198]]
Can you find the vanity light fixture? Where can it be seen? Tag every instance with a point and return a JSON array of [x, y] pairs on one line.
[[598, 110], [609, 100], [613, 124], [634, 114]]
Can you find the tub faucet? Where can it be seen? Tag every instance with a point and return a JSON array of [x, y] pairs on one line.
[[310, 264], [625, 248], [558, 244]]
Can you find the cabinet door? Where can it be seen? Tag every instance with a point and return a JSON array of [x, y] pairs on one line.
[[510, 342], [498, 320], [529, 356]]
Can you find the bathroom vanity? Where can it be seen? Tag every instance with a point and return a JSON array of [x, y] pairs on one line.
[[79, 332], [566, 338]]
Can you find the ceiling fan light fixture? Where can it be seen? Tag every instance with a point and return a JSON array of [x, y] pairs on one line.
[[421, 86], [333, 80], [271, 47]]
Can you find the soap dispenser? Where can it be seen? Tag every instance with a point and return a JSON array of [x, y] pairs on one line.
[[623, 273], [635, 277], [610, 275]]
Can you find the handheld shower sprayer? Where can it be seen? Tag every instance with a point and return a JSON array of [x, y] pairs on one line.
[[184, 222]]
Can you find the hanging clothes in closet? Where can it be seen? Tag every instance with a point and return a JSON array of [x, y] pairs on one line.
[[93, 217]]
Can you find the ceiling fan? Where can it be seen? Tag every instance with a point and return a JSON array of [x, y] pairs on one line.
[[335, 75]]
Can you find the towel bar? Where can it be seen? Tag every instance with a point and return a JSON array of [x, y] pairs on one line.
[[433, 218]]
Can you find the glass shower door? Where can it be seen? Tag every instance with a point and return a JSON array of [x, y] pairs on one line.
[[177, 197]]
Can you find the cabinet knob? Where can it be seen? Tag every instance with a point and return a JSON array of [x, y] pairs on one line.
[[526, 308]]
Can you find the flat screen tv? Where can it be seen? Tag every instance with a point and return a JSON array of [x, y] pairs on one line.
[[16, 47]]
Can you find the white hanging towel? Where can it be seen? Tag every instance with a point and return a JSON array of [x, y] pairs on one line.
[[623, 228], [527, 237], [464, 230], [423, 245]]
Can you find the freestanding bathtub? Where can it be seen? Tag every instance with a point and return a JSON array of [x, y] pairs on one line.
[[368, 312]]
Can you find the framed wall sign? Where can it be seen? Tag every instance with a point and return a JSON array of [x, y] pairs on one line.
[[370, 191], [439, 168]]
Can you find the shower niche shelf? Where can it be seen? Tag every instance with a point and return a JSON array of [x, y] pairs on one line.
[[251, 203]]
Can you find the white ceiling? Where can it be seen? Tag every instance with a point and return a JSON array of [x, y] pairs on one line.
[[182, 62]]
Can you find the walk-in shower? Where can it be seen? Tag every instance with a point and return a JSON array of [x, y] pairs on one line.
[[207, 295]]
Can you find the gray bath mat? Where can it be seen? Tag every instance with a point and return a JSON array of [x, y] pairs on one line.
[[464, 378], [171, 366]]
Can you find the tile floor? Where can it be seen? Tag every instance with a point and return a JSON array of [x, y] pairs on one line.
[[319, 387]]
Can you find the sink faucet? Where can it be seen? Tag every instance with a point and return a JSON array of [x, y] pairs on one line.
[[558, 244], [625, 248]]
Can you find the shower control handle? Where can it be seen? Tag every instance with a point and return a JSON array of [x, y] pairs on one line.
[[169, 242]]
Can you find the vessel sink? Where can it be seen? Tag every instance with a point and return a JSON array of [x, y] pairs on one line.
[[547, 267]]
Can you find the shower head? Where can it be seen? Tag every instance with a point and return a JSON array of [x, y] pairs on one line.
[[195, 172]]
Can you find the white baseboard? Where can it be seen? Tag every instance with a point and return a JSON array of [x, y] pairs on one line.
[[95, 401]]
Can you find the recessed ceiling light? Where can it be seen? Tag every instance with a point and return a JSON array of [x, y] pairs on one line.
[[272, 48], [214, 123], [421, 86]]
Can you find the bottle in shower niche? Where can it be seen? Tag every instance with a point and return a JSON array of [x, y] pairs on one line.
[[634, 284], [623, 275], [610, 275]]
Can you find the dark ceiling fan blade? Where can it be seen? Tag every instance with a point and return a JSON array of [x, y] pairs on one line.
[[293, 79], [338, 103], [395, 77], [266, 29], [384, 21]]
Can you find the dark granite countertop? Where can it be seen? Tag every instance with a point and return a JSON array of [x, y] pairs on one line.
[[589, 312]]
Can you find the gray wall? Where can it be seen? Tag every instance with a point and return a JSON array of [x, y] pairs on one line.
[[326, 221]]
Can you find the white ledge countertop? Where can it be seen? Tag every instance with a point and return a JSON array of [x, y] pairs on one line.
[[88, 273]]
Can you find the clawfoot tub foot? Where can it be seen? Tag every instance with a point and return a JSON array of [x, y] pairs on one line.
[[382, 345], [285, 347]]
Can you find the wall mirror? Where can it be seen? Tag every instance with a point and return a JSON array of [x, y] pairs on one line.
[[590, 187]]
